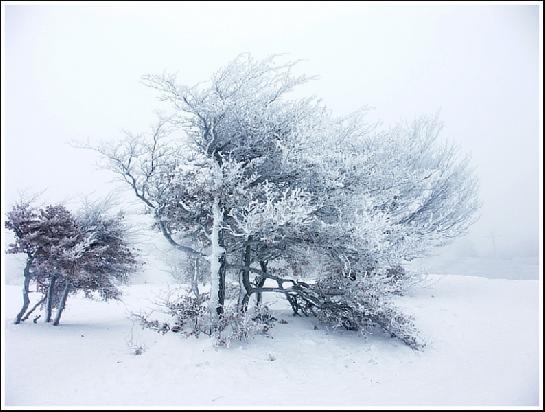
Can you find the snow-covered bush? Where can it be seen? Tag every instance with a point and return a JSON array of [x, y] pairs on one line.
[[362, 304], [236, 325], [189, 316], [261, 177]]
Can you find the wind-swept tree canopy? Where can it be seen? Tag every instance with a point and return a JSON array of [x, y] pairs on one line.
[[262, 182]]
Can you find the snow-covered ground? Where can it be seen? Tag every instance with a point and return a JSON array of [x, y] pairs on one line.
[[517, 268], [482, 350]]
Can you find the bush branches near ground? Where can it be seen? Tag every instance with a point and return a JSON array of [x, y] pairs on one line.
[[362, 305], [188, 315]]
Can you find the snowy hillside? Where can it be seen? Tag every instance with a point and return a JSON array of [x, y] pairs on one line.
[[482, 350]]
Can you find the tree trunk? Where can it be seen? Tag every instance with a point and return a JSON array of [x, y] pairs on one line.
[[221, 283], [217, 261], [246, 288], [49, 304], [26, 290], [260, 282], [195, 278], [62, 303], [33, 309]]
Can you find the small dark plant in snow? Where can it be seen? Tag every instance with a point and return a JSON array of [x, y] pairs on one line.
[[135, 348]]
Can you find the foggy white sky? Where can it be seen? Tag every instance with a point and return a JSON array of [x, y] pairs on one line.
[[73, 72]]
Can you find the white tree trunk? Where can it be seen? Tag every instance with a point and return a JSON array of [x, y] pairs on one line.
[[216, 252], [195, 278]]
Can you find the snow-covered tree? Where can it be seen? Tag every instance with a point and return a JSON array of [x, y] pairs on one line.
[[23, 221], [258, 178], [88, 252], [98, 260]]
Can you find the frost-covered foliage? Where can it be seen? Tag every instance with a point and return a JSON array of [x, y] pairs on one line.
[[106, 259], [67, 253], [361, 303], [236, 325], [40, 234], [189, 316], [260, 177]]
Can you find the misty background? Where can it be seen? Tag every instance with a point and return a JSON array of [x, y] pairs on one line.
[[72, 73]]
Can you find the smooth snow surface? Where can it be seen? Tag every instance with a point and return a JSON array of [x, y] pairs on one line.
[[483, 350]]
